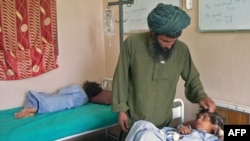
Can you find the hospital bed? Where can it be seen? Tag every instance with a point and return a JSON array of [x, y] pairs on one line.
[[68, 125], [62, 125]]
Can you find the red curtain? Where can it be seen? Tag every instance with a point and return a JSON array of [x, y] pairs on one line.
[[28, 38]]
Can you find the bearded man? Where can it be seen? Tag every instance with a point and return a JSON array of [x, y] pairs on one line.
[[149, 67]]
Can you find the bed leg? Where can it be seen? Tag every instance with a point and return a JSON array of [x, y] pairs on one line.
[[122, 135], [106, 134]]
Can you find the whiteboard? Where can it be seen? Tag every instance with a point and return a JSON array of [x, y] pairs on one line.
[[224, 15], [135, 16]]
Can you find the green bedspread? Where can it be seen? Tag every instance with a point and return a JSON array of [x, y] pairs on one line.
[[52, 126]]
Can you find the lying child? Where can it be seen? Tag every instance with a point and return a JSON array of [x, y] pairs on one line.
[[66, 98], [208, 127], [40, 102]]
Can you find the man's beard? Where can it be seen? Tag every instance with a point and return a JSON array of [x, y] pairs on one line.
[[161, 52]]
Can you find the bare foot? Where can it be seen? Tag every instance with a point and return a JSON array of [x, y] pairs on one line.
[[26, 112]]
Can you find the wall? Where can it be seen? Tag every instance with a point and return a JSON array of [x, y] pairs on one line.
[[222, 59], [81, 52]]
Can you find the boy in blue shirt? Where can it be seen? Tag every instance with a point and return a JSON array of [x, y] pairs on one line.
[[208, 127]]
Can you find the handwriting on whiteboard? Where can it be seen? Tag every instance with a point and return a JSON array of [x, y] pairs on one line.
[[224, 14]]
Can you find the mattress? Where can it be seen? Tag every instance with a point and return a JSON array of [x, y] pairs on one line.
[[52, 126]]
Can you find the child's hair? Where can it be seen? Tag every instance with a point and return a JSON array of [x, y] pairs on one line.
[[92, 88], [215, 118]]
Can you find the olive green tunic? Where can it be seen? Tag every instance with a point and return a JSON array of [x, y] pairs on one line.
[[145, 87]]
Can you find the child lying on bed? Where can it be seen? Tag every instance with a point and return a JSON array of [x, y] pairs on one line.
[[208, 127], [41, 102], [66, 98]]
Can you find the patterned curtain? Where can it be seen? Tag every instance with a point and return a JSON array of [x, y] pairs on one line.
[[28, 38]]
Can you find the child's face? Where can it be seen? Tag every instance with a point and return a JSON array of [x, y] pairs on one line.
[[203, 123]]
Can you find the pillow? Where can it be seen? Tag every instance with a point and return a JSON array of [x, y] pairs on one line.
[[104, 97]]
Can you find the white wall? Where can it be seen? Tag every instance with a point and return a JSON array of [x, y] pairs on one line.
[[81, 53]]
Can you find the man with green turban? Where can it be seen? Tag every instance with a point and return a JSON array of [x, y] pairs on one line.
[[167, 19], [149, 67]]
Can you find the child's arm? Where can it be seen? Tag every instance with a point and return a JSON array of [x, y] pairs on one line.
[[184, 129]]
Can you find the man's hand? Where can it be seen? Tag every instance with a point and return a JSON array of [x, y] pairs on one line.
[[124, 121], [208, 103]]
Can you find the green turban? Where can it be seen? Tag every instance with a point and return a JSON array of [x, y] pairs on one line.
[[167, 19]]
